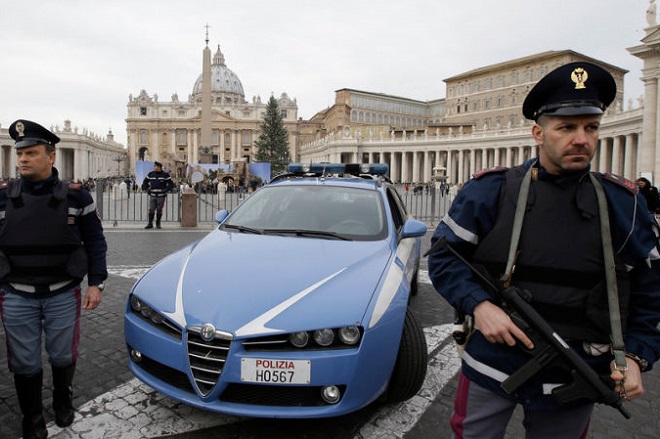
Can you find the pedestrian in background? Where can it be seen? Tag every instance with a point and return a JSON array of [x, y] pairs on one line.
[[157, 184], [560, 259], [650, 194], [51, 237]]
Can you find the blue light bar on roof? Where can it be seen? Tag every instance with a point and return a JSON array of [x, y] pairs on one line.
[[340, 168]]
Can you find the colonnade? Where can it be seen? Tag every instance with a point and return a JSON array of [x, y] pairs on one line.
[[459, 156]]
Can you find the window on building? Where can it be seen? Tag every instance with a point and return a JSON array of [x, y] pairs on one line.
[[214, 138], [181, 137], [143, 111], [487, 104], [246, 137], [144, 138], [227, 138], [283, 113]]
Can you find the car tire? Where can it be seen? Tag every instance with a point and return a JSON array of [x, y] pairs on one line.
[[411, 362]]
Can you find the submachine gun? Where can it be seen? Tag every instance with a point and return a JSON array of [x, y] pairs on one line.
[[549, 347]]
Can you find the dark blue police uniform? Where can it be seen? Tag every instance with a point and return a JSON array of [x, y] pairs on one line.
[[51, 237], [157, 184], [560, 261]]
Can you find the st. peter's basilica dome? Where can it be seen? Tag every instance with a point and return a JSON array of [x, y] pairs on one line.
[[223, 80]]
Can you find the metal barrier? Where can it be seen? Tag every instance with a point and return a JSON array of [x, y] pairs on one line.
[[116, 206]]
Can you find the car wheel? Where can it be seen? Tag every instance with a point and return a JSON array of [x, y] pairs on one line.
[[411, 361]]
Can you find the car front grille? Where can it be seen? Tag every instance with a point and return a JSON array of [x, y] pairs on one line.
[[166, 374], [282, 396], [207, 358]]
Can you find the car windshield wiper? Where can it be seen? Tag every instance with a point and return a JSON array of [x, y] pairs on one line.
[[303, 232], [243, 229]]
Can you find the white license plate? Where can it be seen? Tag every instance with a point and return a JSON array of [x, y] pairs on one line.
[[261, 370]]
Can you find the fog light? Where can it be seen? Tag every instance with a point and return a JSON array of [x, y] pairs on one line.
[[331, 394], [136, 356]]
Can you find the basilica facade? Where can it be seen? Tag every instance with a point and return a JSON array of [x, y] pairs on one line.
[[214, 124]]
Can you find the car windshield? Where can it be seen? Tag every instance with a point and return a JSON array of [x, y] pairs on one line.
[[330, 212]]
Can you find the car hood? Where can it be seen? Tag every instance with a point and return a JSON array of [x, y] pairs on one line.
[[250, 285]]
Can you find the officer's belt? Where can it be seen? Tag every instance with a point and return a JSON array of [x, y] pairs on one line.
[[33, 289]]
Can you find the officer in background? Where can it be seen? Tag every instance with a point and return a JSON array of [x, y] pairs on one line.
[[50, 238], [157, 184], [559, 259]]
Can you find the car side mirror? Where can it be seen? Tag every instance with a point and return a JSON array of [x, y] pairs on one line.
[[221, 216], [413, 228]]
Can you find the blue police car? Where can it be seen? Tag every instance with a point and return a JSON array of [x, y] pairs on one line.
[[295, 306]]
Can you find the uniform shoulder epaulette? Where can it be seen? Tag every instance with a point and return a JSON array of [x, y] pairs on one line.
[[621, 181], [75, 186], [486, 171]]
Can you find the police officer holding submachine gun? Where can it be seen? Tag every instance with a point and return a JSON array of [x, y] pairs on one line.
[[576, 248]]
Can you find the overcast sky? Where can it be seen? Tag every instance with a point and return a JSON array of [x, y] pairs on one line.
[[80, 59]]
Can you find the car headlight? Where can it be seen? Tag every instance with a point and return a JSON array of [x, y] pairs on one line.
[[324, 337], [135, 303], [299, 339], [349, 335], [145, 311]]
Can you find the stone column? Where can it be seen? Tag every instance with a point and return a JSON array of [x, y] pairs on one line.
[[415, 167], [649, 144], [603, 160], [630, 158], [461, 166], [617, 150], [395, 172], [405, 176], [450, 168]]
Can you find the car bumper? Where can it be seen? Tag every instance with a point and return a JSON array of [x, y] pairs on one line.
[[361, 374]]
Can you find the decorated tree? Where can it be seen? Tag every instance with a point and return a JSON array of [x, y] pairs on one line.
[[273, 142]]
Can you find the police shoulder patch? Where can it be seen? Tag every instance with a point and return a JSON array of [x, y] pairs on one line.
[[620, 181], [486, 171]]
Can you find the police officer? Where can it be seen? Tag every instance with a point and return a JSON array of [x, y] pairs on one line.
[[560, 259], [157, 184], [50, 238]]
